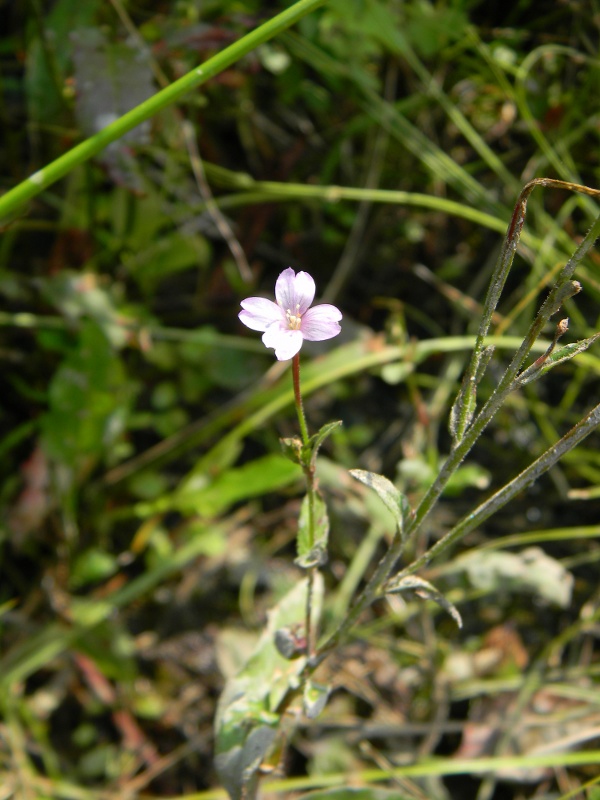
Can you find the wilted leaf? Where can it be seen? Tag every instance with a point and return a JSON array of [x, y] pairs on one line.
[[530, 571], [111, 80]]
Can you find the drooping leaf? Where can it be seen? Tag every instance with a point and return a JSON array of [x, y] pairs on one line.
[[89, 398], [424, 589], [391, 496]]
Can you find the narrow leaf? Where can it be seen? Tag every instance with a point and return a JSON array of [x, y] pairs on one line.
[[566, 353], [313, 532], [424, 589], [392, 497], [317, 440]]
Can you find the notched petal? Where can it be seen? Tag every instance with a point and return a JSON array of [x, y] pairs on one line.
[[321, 322], [284, 288], [294, 292], [305, 289]]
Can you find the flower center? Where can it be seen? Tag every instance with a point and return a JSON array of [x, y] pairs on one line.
[[294, 320]]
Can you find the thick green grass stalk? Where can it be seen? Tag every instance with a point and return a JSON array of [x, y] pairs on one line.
[[15, 198]]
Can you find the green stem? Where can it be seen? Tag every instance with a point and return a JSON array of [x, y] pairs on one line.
[[57, 169], [309, 472]]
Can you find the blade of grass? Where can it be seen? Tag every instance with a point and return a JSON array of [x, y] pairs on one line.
[[46, 176]]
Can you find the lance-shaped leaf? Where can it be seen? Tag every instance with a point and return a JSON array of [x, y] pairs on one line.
[[313, 532], [355, 793], [392, 497], [317, 440], [424, 589], [464, 406], [250, 724], [569, 351]]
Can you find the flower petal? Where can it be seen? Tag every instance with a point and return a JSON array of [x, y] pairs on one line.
[[259, 313], [285, 342], [294, 293], [321, 322]]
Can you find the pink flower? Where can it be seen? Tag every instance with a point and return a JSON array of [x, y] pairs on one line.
[[290, 320]]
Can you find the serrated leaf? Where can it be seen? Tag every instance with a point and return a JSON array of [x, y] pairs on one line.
[[250, 723], [312, 547], [391, 496], [424, 589]]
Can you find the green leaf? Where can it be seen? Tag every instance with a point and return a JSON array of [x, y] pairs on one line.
[[251, 721], [263, 475], [315, 698], [424, 589], [89, 399], [318, 438], [312, 544], [356, 794], [565, 353], [92, 565], [392, 497]]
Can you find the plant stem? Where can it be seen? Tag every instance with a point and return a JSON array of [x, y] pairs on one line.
[[298, 399], [309, 472], [57, 169]]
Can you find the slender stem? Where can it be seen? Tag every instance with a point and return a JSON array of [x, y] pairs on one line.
[[298, 399], [309, 472], [508, 383], [529, 475], [363, 601], [57, 169]]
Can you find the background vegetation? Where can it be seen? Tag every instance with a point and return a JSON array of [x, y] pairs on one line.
[[146, 516]]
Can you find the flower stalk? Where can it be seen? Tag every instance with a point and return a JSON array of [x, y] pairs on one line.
[[285, 324]]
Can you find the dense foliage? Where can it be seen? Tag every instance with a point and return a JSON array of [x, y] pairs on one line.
[[147, 514]]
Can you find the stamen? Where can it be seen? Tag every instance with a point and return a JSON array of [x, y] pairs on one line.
[[294, 320]]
